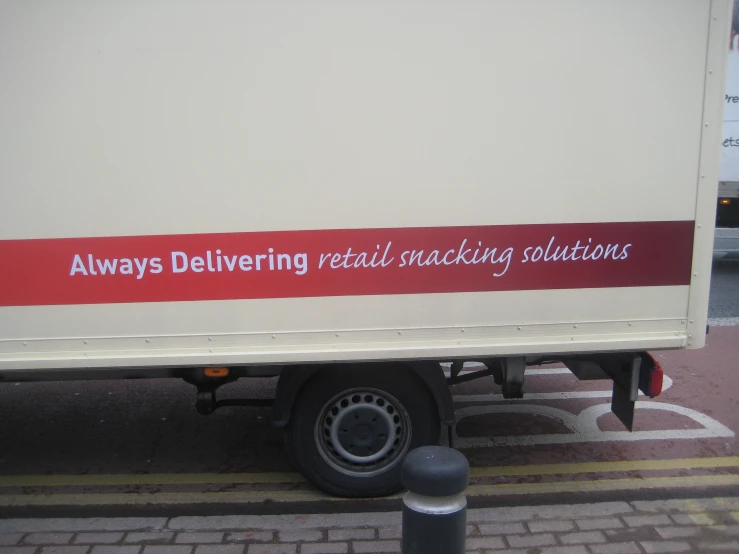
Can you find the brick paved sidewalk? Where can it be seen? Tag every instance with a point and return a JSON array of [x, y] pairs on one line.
[[698, 525]]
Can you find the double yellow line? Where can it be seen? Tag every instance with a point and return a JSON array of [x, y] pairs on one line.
[[311, 495]]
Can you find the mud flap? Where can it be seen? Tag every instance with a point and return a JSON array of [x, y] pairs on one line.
[[513, 376], [626, 392]]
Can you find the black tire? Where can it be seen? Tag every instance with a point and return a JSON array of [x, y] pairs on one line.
[[403, 409]]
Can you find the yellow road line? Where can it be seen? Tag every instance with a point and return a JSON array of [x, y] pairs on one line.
[[162, 498], [172, 498], [266, 477], [605, 485], [605, 467], [149, 479]]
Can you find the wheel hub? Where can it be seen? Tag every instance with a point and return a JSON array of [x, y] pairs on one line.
[[363, 431]]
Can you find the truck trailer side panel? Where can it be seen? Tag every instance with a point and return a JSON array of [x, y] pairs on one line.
[[199, 183]]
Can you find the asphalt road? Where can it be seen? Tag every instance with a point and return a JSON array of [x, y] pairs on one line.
[[149, 432], [724, 300]]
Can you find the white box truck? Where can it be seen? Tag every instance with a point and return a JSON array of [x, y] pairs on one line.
[[351, 194], [727, 210]]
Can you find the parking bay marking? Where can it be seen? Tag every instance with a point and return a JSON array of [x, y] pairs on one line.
[[582, 427], [173, 498], [563, 395], [289, 478]]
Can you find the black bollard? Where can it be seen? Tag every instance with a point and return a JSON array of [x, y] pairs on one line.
[[435, 507]]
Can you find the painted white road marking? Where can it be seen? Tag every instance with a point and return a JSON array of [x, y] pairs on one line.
[[565, 395], [723, 321], [584, 426]]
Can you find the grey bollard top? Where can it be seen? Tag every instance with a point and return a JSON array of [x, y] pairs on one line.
[[435, 471]]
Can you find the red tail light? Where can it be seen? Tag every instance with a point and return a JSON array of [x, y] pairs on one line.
[[655, 379]]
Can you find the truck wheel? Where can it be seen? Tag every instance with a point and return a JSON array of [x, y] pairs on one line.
[[351, 427]]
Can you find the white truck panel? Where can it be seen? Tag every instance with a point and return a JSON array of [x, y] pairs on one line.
[[289, 330], [729, 171], [191, 117], [188, 117], [727, 233]]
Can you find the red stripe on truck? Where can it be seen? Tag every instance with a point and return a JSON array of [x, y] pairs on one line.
[[291, 264]]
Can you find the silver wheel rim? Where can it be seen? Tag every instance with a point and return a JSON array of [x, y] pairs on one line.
[[363, 432]]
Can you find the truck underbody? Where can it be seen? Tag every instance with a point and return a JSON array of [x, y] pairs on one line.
[[358, 200], [358, 416]]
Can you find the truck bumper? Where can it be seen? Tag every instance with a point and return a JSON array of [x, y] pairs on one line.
[[726, 241]]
